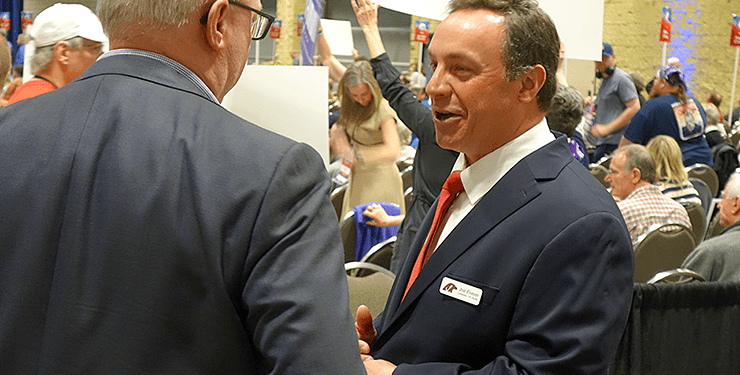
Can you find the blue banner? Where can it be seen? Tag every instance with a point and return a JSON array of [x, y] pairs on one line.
[[314, 10]]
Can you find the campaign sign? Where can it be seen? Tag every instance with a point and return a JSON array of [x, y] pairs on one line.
[[735, 37], [665, 25], [422, 31], [301, 22], [275, 29], [5, 20], [26, 19]]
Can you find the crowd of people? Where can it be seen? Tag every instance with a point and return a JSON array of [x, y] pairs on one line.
[[146, 228]]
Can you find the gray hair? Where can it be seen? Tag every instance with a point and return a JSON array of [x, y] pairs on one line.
[[114, 14], [638, 156], [732, 189], [531, 39], [566, 110], [42, 56], [712, 113]]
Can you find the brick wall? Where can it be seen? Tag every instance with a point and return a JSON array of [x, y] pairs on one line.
[[700, 39]]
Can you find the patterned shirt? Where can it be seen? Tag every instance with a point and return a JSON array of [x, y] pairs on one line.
[[647, 206], [679, 191]]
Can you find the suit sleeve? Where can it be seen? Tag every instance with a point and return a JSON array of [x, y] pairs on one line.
[[296, 295], [572, 308], [415, 116]]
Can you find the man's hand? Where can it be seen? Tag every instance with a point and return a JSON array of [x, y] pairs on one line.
[[380, 218], [367, 16], [598, 130], [365, 330], [366, 12], [378, 366]]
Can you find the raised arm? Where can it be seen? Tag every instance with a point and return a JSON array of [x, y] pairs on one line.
[[336, 69]]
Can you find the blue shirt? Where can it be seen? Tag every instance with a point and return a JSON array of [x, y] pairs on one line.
[[657, 117]]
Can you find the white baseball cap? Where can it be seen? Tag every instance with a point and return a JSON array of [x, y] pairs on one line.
[[65, 21]]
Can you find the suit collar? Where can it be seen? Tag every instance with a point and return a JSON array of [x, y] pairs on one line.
[[149, 66], [517, 187]]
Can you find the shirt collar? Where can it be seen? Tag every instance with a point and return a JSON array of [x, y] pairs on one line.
[[482, 175], [179, 68], [641, 189]]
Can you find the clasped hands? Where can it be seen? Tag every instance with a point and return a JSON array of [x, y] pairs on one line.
[[366, 334]]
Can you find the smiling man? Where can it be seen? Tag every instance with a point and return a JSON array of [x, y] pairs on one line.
[[530, 269]]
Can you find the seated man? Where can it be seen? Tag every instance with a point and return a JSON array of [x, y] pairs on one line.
[[631, 176], [718, 259]]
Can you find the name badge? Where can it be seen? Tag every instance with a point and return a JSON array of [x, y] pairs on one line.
[[460, 290]]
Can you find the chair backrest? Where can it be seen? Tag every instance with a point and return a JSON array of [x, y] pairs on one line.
[[337, 197], [706, 174], [404, 163], [379, 254], [678, 275], [663, 248], [600, 172], [371, 291], [705, 193], [408, 195], [407, 177], [698, 219], [714, 228], [348, 230], [735, 140]]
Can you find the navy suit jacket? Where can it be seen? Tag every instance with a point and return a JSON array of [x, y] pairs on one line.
[[146, 229], [549, 249]]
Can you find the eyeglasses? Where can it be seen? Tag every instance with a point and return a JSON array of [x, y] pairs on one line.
[[260, 24]]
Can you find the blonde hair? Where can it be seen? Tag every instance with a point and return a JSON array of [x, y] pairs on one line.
[[114, 14], [352, 113], [668, 159]]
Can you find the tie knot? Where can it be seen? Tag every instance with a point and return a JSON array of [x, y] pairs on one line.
[[453, 184]]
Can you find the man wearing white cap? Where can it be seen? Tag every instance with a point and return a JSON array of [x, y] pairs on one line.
[[65, 40]]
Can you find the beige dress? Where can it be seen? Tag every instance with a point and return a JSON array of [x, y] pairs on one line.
[[372, 180]]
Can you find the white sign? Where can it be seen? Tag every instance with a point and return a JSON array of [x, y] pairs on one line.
[[339, 36], [579, 22], [289, 100]]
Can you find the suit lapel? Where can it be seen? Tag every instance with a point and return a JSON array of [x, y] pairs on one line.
[[513, 191]]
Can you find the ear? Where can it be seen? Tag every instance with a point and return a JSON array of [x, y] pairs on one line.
[[635, 176], [531, 83], [215, 27], [62, 52], [735, 206]]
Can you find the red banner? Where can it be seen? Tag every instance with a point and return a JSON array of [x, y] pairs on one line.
[[665, 31], [422, 31], [275, 29], [666, 24], [735, 36]]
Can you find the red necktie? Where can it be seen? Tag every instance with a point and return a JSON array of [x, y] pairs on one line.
[[452, 186]]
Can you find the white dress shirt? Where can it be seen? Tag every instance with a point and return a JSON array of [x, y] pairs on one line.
[[482, 175]]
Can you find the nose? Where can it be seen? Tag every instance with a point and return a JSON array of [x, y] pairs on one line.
[[437, 87]]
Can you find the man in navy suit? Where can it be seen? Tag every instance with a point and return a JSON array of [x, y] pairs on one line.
[[532, 269], [145, 229]]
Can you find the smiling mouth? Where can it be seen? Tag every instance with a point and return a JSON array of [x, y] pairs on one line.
[[441, 116]]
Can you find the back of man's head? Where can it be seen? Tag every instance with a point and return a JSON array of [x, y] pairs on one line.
[[638, 156], [566, 110], [531, 39], [715, 98], [122, 17]]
